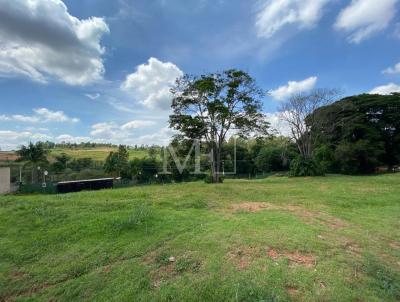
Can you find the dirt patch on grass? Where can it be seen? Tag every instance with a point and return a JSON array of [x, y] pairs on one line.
[[28, 292], [164, 267], [352, 247], [394, 245], [295, 258], [292, 291], [243, 257], [252, 206], [161, 274], [17, 275], [310, 217]]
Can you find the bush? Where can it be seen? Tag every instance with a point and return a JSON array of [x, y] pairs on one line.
[[359, 157], [209, 179], [302, 166], [325, 157]]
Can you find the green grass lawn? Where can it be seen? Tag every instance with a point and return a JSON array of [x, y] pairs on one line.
[[332, 238]]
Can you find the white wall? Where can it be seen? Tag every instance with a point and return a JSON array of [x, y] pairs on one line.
[[5, 180]]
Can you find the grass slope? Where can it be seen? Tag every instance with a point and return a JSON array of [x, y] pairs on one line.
[[314, 239]]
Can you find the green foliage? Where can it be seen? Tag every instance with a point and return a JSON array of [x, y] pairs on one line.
[[274, 154], [360, 157], [33, 153], [117, 162], [208, 106], [209, 179], [34, 156], [144, 170], [325, 158], [302, 166], [383, 276], [61, 162], [363, 131], [80, 164]]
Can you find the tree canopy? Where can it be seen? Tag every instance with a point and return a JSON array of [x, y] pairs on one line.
[[208, 107], [363, 132]]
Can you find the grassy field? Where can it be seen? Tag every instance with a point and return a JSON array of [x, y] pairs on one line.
[[98, 154], [332, 238]]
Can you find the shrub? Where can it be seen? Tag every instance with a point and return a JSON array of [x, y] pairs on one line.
[[302, 166], [325, 157], [209, 179]]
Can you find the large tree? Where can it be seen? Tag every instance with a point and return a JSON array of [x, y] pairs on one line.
[[209, 106], [362, 130], [297, 113]]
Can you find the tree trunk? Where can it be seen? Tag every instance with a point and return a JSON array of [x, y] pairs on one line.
[[215, 159]]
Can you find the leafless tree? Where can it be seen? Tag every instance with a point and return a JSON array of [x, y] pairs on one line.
[[297, 113]]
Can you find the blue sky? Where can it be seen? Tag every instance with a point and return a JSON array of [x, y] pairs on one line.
[[100, 70]]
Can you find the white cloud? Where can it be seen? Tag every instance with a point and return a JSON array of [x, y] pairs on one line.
[[105, 130], [386, 89], [40, 40], [124, 134], [276, 14], [137, 124], [20, 118], [47, 115], [11, 140], [94, 96], [72, 139], [41, 115], [393, 70], [362, 19], [293, 87], [110, 130], [151, 83]]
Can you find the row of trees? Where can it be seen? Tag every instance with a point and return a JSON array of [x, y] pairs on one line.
[[244, 157]]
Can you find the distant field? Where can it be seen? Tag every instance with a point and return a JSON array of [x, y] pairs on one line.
[[95, 153], [331, 238], [8, 156], [98, 154]]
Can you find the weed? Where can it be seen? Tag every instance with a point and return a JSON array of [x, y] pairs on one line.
[[141, 215]]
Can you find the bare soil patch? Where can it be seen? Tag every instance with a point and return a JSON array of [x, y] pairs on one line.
[[8, 156], [352, 247], [164, 268], [295, 258], [310, 217], [252, 206], [292, 291], [17, 275], [243, 257]]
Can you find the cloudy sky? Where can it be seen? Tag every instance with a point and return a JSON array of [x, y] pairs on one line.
[[101, 70]]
